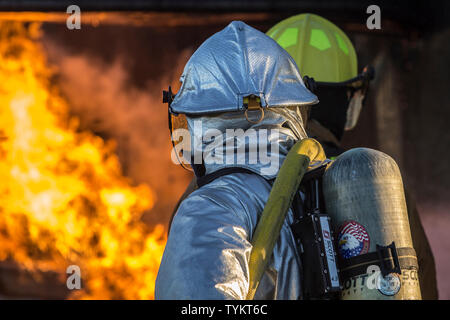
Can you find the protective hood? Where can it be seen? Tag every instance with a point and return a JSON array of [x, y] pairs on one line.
[[234, 63], [229, 140]]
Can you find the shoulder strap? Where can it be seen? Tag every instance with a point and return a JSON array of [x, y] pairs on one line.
[[204, 180]]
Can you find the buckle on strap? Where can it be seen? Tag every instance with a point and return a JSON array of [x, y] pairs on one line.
[[388, 259]]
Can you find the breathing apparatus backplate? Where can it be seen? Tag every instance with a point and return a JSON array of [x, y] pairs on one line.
[[312, 228]]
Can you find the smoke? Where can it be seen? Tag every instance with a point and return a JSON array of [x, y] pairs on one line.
[[106, 101]]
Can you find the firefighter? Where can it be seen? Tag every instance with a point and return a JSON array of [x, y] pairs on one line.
[[238, 79], [323, 52]]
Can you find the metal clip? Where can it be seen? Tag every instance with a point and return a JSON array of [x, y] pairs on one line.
[[388, 264], [168, 96], [253, 103]]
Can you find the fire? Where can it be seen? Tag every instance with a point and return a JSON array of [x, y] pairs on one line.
[[63, 197]]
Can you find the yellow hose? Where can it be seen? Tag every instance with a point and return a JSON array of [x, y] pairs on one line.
[[284, 188]]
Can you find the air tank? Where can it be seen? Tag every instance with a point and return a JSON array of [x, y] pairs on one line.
[[364, 195]]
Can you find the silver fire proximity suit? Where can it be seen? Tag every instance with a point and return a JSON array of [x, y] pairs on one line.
[[207, 252]]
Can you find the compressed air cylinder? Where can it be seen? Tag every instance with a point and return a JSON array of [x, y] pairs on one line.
[[364, 195]]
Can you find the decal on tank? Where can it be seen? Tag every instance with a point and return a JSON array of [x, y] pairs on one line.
[[389, 285], [353, 240]]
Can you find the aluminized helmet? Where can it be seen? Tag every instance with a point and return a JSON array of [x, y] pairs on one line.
[[235, 63]]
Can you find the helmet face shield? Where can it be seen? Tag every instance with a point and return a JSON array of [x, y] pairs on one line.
[[339, 107], [357, 94], [354, 109], [331, 112], [181, 140], [340, 102]]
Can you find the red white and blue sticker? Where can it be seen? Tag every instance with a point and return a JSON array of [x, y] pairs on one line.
[[353, 240]]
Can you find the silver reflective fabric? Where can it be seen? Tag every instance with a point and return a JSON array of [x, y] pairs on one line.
[[207, 252], [237, 62], [260, 147], [206, 255]]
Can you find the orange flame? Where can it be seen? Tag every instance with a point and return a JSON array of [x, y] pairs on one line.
[[63, 198]]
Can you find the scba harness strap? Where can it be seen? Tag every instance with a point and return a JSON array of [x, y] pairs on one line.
[[204, 180], [388, 259]]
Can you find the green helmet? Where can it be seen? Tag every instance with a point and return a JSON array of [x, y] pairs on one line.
[[320, 49]]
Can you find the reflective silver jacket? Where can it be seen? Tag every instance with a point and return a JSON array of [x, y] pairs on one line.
[[206, 256]]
